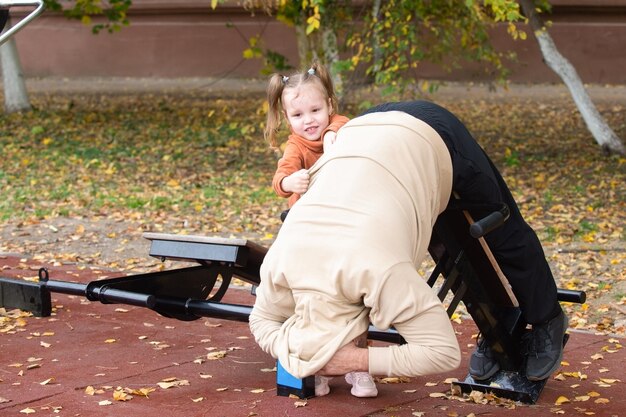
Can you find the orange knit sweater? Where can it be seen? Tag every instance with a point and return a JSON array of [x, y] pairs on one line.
[[302, 154]]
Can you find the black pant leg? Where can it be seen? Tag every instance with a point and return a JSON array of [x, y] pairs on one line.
[[515, 245]]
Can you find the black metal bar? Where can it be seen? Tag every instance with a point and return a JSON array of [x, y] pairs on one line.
[[103, 294], [239, 312], [65, 287], [391, 335], [450, 280], [571, 296], [438, 270], [190, 309], [236, 312], [249, 273], [459, 293], [107, 295]]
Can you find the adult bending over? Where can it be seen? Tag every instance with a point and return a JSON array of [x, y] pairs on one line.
[[348, 251]]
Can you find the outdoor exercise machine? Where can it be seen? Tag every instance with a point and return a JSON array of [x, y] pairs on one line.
[[470, 272], [465, 271]]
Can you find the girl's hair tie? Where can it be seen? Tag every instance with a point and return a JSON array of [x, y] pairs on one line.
[[311, 71], [285, 79]]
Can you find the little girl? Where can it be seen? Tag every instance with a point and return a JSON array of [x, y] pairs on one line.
[[308, 103]]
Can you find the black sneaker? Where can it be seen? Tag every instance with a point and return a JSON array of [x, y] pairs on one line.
[[483, 365], [545, 348]]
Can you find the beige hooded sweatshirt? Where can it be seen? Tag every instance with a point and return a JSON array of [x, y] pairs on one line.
[[348, 251]]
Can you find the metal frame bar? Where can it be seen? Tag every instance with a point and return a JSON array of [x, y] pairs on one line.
[[7, 4]]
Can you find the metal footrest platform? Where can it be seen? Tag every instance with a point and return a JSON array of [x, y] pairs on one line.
[[506, 384]]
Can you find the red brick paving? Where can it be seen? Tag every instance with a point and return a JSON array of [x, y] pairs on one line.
[[47, 365]]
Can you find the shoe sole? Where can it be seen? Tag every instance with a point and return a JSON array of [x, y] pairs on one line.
[[369, 395]]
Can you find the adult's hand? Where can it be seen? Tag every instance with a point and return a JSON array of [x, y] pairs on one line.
[[347, 359]]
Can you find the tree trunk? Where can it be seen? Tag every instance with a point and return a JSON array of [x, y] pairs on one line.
[[377, 52], [15, 95], [601, 132], [331, 56], [322, 46], [304, 50]]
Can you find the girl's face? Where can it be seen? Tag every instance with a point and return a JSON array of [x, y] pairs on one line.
[[307, 110]]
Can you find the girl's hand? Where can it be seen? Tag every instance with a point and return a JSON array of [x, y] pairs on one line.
[[298, 182], [329, 140]]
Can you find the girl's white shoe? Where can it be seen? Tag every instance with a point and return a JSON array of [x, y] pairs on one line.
[[363, 384], [321, 385]]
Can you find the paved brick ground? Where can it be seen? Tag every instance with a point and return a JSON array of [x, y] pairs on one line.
[[72, 364]]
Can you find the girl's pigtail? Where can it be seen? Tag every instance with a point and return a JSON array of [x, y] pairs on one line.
[[274, 93], [322, 73]]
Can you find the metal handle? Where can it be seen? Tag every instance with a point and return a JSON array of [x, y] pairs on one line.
[[490, 222], [7, 4]]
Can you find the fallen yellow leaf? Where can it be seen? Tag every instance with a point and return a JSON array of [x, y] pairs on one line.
[[47, 381], [561, 400], [216, 355], [119, 395], [142, 391], [177, 383]]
